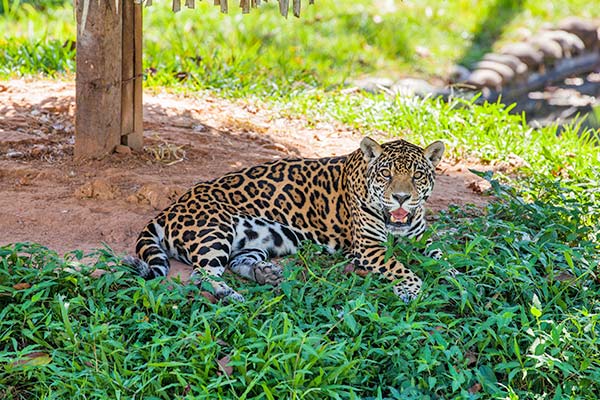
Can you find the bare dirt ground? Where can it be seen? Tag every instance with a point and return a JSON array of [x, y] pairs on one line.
[[48, 198]]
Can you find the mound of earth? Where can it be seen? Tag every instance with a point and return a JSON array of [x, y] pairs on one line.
[[48, 198]]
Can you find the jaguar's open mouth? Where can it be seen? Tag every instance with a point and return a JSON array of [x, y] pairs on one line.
[[399, 217]]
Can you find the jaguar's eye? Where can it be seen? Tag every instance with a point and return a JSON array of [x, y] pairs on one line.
[[418, 175], [386, 173]]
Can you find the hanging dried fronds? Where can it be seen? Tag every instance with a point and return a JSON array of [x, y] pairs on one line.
[[245, 5], [284, 6]]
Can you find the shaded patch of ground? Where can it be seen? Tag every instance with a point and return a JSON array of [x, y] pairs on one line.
[[48, 198]]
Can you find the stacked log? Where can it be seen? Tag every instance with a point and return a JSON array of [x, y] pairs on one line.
[[553, 54]]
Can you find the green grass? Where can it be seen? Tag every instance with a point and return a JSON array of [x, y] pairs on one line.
[[522, 318], [487, 133], [262, 53], [36, 41]]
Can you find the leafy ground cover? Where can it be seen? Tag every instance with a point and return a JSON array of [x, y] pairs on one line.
[[520, 320]]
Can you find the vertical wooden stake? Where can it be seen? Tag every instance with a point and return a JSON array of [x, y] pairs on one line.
[[98, 82], [132, 77]]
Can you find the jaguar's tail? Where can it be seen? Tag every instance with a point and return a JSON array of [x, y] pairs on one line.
[[153, 259]]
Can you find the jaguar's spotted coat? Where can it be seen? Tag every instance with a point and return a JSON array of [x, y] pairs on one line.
[[351, 203]]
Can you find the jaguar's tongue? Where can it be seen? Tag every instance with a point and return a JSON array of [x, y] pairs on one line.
[[399, 215]]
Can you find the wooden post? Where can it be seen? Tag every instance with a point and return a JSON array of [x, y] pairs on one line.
[[98, 83], [131, 96], [109, 78]]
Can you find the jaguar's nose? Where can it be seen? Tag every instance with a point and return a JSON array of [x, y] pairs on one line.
[[401, 197]]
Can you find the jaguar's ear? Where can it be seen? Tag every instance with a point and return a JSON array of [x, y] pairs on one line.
[[434, 152], [370, 148]]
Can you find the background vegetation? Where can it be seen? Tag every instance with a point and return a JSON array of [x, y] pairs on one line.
[[519, 321], [262, 53]]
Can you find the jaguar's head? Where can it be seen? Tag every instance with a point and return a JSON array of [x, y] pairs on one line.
[[400, 178]]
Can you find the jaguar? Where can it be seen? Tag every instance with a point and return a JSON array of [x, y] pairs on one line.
[[349, 203]]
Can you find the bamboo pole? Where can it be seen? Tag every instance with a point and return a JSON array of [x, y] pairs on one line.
[[132, 77]]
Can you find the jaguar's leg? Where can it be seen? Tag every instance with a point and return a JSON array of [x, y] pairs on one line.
[[429, 252], [371, 256], [209, 254], [436, 254], [253, 264], [417, 231], [221, 289], [409, 283]]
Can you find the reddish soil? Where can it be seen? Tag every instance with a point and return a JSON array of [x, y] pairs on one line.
[[49, 198]]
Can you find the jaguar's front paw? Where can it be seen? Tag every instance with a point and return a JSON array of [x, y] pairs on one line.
[[436, 254], [406, 292], [431, 251]]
